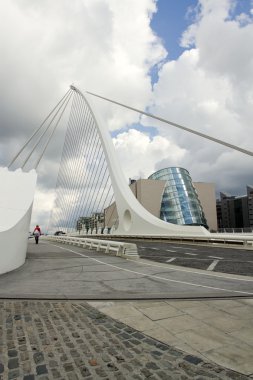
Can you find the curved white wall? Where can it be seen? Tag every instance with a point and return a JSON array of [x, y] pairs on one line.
[[16, 198]]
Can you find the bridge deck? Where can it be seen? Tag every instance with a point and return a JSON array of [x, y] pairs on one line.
[[54, 271]]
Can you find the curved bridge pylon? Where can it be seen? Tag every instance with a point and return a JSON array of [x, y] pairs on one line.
[[133, 218]]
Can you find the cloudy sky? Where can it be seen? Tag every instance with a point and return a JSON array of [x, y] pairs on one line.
[[189, 61]]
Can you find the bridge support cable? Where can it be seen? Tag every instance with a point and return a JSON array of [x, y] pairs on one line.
[[95, 194], [36, 134], [96, 162], [79, 133], [52, 132], [96, 208], [66, 171], [92, 179], [83, 182], [90, 157], [92, 188], [69, 173], [47, 130], [218, 141]]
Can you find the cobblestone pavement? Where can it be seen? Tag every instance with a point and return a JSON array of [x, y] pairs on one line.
[[71, 340]]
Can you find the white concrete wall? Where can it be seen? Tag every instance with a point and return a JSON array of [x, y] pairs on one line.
[[16, 198]]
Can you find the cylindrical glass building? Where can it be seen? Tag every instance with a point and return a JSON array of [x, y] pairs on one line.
[[180, 202]]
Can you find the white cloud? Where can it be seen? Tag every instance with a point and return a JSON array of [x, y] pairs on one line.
[[45, 46], [140, 155], [209, 89], [43, 203], [224, 45]]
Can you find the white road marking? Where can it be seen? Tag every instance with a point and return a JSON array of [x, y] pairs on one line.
[[170, 250], [189, 249], [154, 248], [213, 265], [191, 254], [170, 260], [151, 275], [215, 257], [219, 275]]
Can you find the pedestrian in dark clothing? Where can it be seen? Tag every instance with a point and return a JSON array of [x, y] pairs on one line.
[[37, 233]]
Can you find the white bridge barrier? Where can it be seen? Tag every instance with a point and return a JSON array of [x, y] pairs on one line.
[[126, 250], [231, 240], [16, 199], [244, 240]]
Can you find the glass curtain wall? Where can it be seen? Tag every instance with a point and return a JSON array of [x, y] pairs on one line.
[[180, 202]]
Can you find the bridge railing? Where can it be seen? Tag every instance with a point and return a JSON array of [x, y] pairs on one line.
[[126, 250], [214, 239]]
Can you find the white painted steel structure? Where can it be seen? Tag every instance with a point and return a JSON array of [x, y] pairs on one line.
[[16, 200], [134, 219]]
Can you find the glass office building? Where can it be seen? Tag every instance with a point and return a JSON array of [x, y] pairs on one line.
[[180, 202]]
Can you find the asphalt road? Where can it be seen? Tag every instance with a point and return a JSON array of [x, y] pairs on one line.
[[217, 259], [58, 271]]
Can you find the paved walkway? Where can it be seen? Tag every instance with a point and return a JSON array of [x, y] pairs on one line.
[[142, 339], [72, 340], [219, 331]]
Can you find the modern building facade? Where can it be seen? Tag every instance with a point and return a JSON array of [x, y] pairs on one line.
[[250, 204], [95, 221], [147, 191], [219, 213], [180, 203], [236, 211], [150, 193]]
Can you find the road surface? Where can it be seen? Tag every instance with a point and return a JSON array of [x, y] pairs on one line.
[[56, 271]]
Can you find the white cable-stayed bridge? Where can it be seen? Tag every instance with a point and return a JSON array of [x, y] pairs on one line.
[[89, 179]]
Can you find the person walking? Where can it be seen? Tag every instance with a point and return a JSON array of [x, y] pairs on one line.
[[37, 233]]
